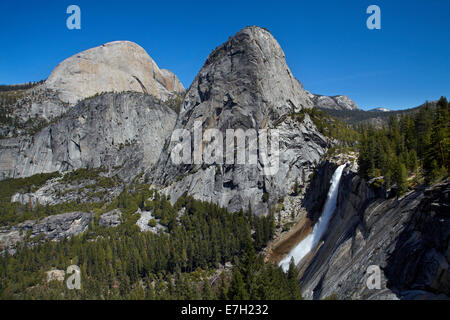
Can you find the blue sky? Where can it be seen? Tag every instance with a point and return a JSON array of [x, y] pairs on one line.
[[327, 44]]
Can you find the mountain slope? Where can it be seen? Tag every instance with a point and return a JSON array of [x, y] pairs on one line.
[[115, 66], [124, 133], [118, 66], [245, 84], [406, 237], [44, 130], [377, 117], [130, 138]]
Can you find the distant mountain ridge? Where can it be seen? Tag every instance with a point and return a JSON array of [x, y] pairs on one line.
[[339, 102], [379, 110], [377, 117]]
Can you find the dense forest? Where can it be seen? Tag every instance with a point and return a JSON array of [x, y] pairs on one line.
[[177, 263], [415, 146]]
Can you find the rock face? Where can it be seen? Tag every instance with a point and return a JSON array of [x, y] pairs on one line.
[[56, 191], [116, 66], [142, 222], [419, 265], [245, 84], [52, 228], [334, 103], [110, 219], [124, 133], [407, 238], [37, 103]]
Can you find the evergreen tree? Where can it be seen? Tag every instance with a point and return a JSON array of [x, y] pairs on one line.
[[223, 288], [237, 289], [294, 286]]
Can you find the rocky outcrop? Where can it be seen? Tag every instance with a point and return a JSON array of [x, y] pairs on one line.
[[143, 221], [334, 103], [30, 108], [110, 219], [245, 84], [55, 275], [407, 238], [52, 228], [124, 133], [118, 66], [379, 110], [57, 191], [113, 67], [68, 123], [419, 264]]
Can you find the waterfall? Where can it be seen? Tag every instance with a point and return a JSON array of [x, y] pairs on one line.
[[307, 244]]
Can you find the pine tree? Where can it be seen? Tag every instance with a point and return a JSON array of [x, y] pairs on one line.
[[247, 265], [207, 291], [223, 288], [237, 289], [294, 286], [401, 178]]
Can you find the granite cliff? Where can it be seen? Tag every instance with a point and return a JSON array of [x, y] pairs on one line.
[[245, 84], [408, 238], [124, 133], [115, 66]]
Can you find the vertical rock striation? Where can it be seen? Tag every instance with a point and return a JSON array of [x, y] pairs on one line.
[[124, 133], [408, 238], [245, 84]]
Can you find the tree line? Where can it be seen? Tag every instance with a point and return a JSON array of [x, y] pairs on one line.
[[415, 146], [24, 86], [175, 263]]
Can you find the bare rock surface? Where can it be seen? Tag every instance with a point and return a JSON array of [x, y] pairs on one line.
[[113, 67], [142, 223], [57, 191], [124, 133], [406, 237], [52, 228], [55, 275], [245, 83], [111, 219]]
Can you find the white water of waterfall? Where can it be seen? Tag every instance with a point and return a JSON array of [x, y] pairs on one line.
[[307, 244]]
